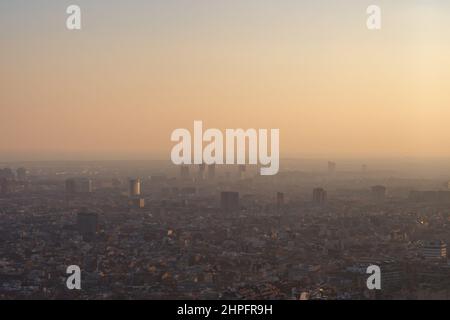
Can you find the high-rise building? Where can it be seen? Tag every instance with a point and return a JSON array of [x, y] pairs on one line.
[[379, 193], [137, 203], [21, 174], [87, 224], [70, 186], [392, 275], [392, 272], [134, 188], [84, 185], [229, 201], [319, 196], [211, 171], [78, 186], [434, 250]]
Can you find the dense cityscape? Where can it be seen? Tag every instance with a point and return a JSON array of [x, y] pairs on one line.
[[152, 230]]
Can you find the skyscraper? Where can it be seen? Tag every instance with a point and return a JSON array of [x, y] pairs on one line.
[[319, 196], [434, 250], [70, 186], [78, 186], [84, 185], [21, 174], [379, 193], [134, 188], [137, 202]]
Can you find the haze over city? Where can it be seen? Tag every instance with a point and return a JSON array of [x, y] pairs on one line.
[[108, 192]]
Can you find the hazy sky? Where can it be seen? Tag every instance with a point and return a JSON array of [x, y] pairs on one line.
[[140, 69]]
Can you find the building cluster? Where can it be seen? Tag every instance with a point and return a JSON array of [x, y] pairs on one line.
[[203, 233]]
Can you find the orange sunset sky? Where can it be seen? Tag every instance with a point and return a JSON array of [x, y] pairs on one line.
[[140, 69]]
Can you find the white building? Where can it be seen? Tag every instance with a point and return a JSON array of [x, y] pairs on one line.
[[434, 250]]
